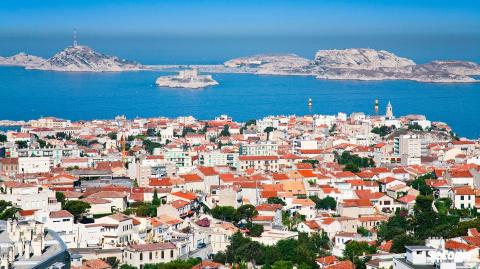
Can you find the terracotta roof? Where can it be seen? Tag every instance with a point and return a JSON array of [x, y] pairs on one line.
[[341, 265], [464, 190], [14, 184], [407, 199], [387, 246], [185, 195], [263, 218], [280, 176], [268, 207], [373, 218], [191, 178], [179, 203], [303, 202], [94, 264], [108, 194], [92, 200], [345, 174], [312, 224], [119, 217], [207, 171], [327, 260], [356, 203], [257, 158], [304, 166], [60, 214], [25, 213], [460, 174], [307, 173], [151, 247], [453, 245], [72, 194], [207, 265]]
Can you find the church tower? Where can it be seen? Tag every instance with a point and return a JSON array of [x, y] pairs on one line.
[[389, 114]]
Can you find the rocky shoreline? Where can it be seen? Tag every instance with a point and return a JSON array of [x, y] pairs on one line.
[[189, 79], [347, 64]]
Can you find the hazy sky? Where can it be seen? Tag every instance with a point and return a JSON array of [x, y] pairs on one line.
[[203, 17]]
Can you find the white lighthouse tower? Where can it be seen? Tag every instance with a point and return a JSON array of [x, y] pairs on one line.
[[389, 113]]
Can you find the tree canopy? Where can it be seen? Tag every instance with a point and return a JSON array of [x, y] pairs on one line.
[[77, 208], [301, 252]]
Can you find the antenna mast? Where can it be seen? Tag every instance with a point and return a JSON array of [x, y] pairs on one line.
[[75, 38]]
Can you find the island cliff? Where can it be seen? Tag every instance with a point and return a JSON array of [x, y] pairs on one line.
[[356, 64], [73, 59], [186, 79]]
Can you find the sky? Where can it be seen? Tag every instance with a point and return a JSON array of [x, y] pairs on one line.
[[243, 17]]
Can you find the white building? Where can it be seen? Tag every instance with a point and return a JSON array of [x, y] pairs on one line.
[[409, 148], [34, 164], [140, 254], [218, 158], [259, 149]]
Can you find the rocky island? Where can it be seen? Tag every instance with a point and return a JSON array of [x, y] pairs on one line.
[[356, 64], [189, 79], [186, 79], [346, 64], [22, 59], [73, 59]]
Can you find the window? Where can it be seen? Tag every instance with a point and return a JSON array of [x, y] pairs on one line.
[[141, 256], [150, 255], [171, 253], [163, 254]]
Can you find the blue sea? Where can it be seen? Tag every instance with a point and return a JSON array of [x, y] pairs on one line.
[[27, 94]]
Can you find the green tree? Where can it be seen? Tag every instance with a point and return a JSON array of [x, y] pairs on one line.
[[150, 146], [21, 144], [3, 138], [112, 135], [7, 211], [226, 213], [187, 130], [353, 249], [351, 167], [275, 200], [420, 184], [400, 241], [225, 131], [382, 131], [246, 212], [77, 208], [60, 198], [396, 225], [415, 126], [327, 203], [254, 230], [462, 228], [353, 162], [143, 209], [268, 130], [156, 201], [251, 122], [364, 232], [282, 265], [176, 264]]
